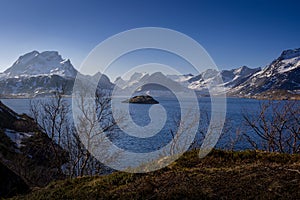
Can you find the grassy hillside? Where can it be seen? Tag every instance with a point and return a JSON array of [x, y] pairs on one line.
[[221, 175]]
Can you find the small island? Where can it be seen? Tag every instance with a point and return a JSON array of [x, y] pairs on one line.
[[142, 99]]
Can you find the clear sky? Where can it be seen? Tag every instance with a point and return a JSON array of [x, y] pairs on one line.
[[235, 33]]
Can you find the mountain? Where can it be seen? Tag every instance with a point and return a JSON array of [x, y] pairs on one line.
[[212, 78], [30, 86], [133, 80], [45, 63], [280, 78], [36, 74], [234, 77], [162, 83], [156, 84], [202, 81], [102, 80], [182, 79]]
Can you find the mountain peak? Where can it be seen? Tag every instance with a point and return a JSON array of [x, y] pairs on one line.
[[34, 52], [290, 53], [136, 76], [51, 54], [244, 70], [26, 57], [44, 63], [157, 74], [209, 73]]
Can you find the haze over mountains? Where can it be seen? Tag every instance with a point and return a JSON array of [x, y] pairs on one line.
[[35, 74]]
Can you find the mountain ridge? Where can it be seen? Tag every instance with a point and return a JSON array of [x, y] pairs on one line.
[[40, 74], [281, 76], [36, 73], [47, 62]]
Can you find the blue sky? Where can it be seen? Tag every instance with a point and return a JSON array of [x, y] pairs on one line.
[[234, 33]]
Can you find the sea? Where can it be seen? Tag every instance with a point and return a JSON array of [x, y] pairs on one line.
[[232, 135]]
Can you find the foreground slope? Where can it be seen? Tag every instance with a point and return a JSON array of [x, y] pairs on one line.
[[11, 183], [221, 175], [28, 157]]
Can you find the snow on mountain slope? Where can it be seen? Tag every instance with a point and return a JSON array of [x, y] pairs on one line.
[[203, 80], [133, 80], [156, 84], [23, 140], [226, 79], [17, 137], [163, 82], [41, 73], [290, 53], [237, 76], [45, 63], [182, 79], [283, 74], [36, 74], [201, 83]]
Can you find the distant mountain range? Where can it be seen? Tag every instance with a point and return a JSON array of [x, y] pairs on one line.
[[280, 80], [35, 74]]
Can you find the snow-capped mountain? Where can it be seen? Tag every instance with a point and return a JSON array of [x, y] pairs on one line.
[[29, 86], [227, 79], [133, 80], [182, 79], [203, 81], [281, 77], [234, 77], [42, 73], [37, 73], [45, 63]]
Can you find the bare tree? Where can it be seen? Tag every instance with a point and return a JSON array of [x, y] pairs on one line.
[[51, 114], [93, 126], [54, 118], [277, 125]]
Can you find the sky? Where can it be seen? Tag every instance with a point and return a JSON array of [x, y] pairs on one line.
[[234, 33]]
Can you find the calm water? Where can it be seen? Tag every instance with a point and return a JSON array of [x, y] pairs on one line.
[[140, 115]]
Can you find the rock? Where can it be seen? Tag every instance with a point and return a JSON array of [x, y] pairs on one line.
[[143, 99]]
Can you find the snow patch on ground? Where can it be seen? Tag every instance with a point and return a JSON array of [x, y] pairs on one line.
[[17, 137]]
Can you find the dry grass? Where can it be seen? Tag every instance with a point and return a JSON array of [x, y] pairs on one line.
[[221, 175]]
